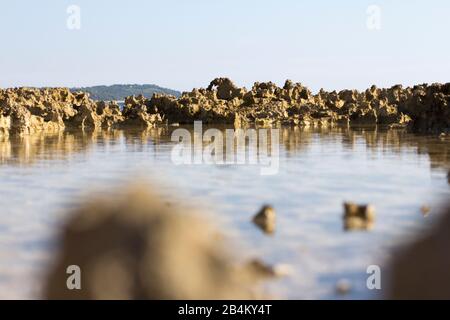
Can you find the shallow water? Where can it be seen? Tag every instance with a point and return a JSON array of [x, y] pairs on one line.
[[41, 176]]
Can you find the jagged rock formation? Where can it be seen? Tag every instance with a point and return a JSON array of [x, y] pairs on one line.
[[424, 108], [137, 114], [30, 110]]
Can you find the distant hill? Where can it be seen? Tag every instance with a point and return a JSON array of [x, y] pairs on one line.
[[118, 92]]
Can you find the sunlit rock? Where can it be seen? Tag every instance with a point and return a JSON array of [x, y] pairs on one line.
[[425, 210], [259, 269], [5, 125], [422, 108], [265, 219], [343, 287], [358, 217]]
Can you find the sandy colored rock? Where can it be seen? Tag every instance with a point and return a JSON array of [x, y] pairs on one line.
[[226, 90], [262, 270], [132, 246], [425, 210], [422, 108], [420, 270], [110, 113], [358, 217], [265, 219], [343, 287], [5, 125], [266, 104], [31, 110], [87, 117], [138, 113]]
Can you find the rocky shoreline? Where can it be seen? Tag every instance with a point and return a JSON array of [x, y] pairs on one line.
[[422, 108]]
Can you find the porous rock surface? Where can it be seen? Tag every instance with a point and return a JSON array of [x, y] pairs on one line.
[[423, 108]]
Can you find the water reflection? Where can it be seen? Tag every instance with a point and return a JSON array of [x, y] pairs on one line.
[[25, 150], [43, 175]]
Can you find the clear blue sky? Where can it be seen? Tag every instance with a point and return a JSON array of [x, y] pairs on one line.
[[184, 44]]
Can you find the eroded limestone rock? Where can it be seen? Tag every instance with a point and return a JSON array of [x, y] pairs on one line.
[[422, 108], [5, 125], [138, 113]]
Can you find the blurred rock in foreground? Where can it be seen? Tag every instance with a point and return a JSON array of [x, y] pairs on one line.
[[421, 271], [134, 247]]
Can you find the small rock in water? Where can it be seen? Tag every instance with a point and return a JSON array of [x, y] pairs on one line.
[[448, 177], [425, 210], [261, 269], [358, 217], [283, 270], [264, 270], [265, 219], [343, 286]]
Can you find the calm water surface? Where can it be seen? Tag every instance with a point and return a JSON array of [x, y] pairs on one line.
[[41, 176]]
